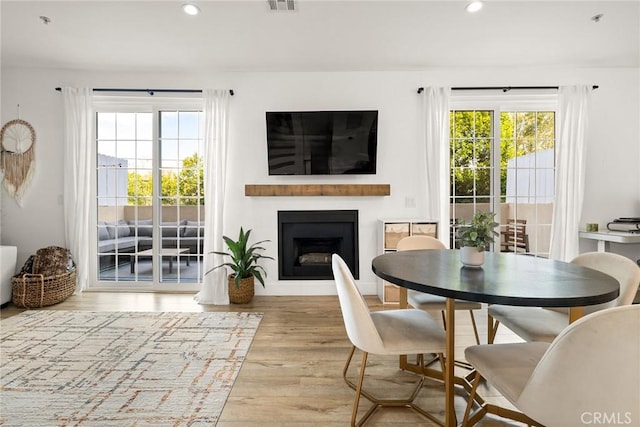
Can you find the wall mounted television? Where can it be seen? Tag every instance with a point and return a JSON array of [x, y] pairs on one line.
[[322, 142]]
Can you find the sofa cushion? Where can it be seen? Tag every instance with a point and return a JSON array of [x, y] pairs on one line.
[[123, 228], [103, 233], [172, 229], [144, 243], [193, 229], [193, 243], [123, 244], [143, 227], [119, 229]]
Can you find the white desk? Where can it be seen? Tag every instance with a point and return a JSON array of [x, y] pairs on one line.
[[604, 237]]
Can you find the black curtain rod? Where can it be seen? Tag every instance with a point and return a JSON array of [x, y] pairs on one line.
[[149, 91], [506, 88]]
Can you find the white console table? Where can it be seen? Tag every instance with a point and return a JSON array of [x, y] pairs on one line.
[[605, 237]]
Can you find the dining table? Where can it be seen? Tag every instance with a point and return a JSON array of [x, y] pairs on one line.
[[504, 278]]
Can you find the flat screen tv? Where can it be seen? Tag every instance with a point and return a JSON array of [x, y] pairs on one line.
[[322, 142]]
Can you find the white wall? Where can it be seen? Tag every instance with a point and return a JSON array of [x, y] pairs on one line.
[[613, 181]]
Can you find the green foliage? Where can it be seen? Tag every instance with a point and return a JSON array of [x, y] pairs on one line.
[[185, 187], [244, 258], [191, 181], [480, 233], [139, 186], [471, 136]]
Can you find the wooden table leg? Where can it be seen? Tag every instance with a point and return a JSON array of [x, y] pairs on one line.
[[449, 382], [402, 302], [575, 313]]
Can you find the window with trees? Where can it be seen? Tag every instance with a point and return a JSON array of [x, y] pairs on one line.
[[504, 160], [150, 198]]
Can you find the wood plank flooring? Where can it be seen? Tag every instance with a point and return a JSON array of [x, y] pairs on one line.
[[292, 375]]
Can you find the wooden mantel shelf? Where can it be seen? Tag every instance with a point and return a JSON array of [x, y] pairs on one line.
[[318, 190]]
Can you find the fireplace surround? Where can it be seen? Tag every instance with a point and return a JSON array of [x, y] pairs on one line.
[[306, 240]]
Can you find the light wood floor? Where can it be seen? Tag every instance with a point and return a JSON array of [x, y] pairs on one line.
[[292, 375]]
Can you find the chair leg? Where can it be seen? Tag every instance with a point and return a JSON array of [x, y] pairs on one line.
[[492, 328], [378, 403], [475, 327], [472, 394], [356, 401]]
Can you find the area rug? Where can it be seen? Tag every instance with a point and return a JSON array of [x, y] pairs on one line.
[[69, 368]]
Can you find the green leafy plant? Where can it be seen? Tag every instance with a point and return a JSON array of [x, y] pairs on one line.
[[480, 232], [244, 258]]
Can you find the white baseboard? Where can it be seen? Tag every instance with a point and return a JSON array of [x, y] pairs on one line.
[[308, 287]]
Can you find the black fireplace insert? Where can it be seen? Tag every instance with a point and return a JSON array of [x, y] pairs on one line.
[[307, 239]]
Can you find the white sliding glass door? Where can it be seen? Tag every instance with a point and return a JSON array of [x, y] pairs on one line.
[[149, 198], [503, 160]]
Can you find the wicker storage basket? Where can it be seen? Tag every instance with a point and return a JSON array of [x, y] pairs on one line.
[[36, 290], [242, 294]]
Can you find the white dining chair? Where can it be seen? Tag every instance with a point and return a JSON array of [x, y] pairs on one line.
[[544, 324], [591, 370], [387, 332], [430, 302]]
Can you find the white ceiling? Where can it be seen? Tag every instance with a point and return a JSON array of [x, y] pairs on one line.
[[243, 35]]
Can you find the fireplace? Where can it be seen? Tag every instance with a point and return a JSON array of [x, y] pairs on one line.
[[307, 239]]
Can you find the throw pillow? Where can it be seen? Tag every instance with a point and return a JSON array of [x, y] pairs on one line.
[[103, 233], [194, 229], [51, 261], [123, 228]]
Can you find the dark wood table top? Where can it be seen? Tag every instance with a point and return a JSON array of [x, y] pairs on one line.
[[505, 278]]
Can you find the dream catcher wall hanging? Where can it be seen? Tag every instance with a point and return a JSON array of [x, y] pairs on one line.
[[17, 140]]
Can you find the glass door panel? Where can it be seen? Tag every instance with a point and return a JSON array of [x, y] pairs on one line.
[[150, 198], [472, 169], [181, 196], [527, 180], [512, 174], [124, 180]]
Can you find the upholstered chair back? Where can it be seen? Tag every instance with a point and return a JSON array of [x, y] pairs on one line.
[[617, 266], [591, 368], [419, 242], [360, 327]]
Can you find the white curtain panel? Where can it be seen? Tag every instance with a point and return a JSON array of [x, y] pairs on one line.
[[435, 164], [78, 154], [216, 123], [573, 117]]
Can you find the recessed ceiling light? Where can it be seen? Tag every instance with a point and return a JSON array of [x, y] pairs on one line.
[[190, 9], [474, 6]]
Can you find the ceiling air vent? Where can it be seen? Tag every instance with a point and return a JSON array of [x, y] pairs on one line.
[[281, 5]]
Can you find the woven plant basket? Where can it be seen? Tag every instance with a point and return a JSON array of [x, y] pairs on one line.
[[36, 290], [244, 293]]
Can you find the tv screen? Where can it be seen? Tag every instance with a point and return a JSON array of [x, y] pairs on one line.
[[322, 142]]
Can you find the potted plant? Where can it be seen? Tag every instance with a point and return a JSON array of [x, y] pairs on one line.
[[476, 237], [244, 263]]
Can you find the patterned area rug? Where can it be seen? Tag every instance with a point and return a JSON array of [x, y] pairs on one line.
[[116, 369]]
